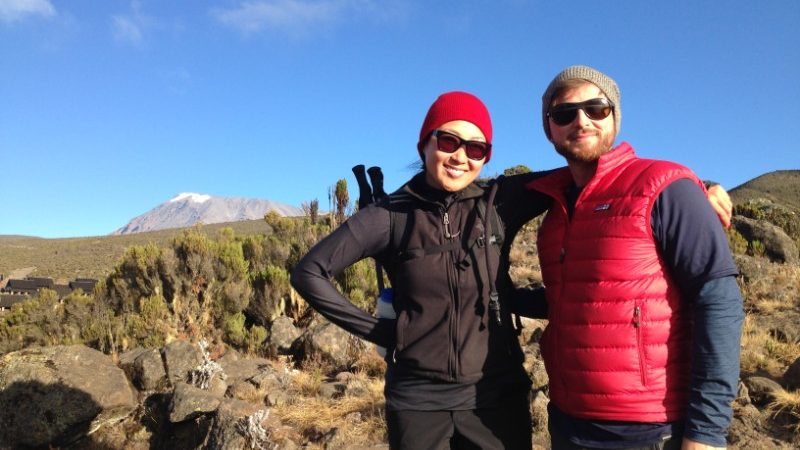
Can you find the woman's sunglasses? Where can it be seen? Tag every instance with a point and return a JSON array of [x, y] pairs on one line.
[[449, 143], [595, 109]]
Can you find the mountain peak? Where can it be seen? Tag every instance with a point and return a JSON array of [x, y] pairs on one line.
[[190, 196], [189, 208]]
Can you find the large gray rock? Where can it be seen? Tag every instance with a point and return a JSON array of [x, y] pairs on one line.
[[148, 371], [332, 345], [282, 336], [56, 395], [792, 375], [762, 390], [778, 245], [127, 358], [240, 424], [180, 358], [189, 402]]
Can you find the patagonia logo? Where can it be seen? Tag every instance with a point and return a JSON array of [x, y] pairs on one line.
[[602, 207]]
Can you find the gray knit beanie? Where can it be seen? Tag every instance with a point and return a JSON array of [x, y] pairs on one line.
[[599, 79]]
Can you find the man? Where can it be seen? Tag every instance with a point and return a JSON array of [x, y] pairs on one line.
[[642, 346]]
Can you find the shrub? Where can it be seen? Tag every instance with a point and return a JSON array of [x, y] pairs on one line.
[[737, 242]]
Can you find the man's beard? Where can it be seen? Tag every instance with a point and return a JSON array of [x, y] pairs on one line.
[[580, 153]]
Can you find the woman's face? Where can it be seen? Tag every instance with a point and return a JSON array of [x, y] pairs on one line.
[[452, 172]]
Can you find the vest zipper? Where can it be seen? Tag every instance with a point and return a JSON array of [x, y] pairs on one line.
[[637, 324]]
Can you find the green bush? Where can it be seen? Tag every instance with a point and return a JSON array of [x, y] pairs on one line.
[[736, 241]]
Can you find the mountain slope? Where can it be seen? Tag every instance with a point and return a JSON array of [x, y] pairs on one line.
[[187, 209], [780, 186]]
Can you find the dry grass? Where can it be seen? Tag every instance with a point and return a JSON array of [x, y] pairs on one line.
[[94, 256], [762, 352], [358, 420], [777, 291], [787, 404]]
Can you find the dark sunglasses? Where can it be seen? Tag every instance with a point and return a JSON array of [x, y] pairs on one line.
[[595, 109], [449, 143]]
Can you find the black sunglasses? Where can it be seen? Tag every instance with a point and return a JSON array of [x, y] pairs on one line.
[[595, 109], [449, 143]]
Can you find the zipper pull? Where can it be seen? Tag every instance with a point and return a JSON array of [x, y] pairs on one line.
[[637, 317], [563, 253], [446, 221]]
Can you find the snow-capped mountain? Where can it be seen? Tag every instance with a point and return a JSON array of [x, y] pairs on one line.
[[187, 209]]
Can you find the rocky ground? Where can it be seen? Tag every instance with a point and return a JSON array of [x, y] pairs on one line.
[[321, 388]]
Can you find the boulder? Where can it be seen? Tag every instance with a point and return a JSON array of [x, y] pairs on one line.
[[239, 424], [148, 371], [761, 390], [282, 336], [332, 345], [52, 396], [778, 245], [127, 358], [791, 377], [189, 402], [180, 358]]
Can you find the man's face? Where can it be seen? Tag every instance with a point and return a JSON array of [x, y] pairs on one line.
[[583, 140]]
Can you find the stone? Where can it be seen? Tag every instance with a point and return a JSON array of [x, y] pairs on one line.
[[282, 336], [761, 389], [332, 345], [779, 246], [149, 372], [189, 402], [52, 396], [126, 360], [791, 377], [239, 425], [332, 390], [180, 358]]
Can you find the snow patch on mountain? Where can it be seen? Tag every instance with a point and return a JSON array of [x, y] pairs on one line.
[[191, 196]]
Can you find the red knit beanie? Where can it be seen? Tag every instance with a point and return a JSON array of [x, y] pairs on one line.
[[456, 106]]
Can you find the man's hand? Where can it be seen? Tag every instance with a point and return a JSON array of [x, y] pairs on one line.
[[721, 202], [692, 445]]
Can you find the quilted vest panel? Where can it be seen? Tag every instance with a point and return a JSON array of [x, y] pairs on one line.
[[617, 344]]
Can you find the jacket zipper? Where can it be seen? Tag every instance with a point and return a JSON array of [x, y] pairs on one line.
[[637, 324], [452, 360]]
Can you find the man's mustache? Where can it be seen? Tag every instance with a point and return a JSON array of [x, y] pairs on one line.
[[583, 133]]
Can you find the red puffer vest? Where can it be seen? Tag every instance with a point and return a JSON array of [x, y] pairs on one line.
[[617, 343]]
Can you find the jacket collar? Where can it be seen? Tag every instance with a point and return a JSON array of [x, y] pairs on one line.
[[420, 189]]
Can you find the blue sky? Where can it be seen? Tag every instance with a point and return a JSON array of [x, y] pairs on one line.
[[109, 108]]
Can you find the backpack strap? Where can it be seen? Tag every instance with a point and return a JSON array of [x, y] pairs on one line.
[[489, 226]]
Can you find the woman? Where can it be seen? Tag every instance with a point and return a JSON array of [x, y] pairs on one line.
[[454, 376]]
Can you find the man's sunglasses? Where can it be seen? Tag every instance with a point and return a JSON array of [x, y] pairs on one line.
[[449, 143], [595, 109]]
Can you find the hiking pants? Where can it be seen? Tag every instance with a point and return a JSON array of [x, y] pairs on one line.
[[504, 428]]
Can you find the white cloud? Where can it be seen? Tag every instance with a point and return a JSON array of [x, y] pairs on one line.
[[294, 16], [131, 28], [126, 30], [14, 10]]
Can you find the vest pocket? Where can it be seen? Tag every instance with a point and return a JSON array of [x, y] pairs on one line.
[[637, 324]]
